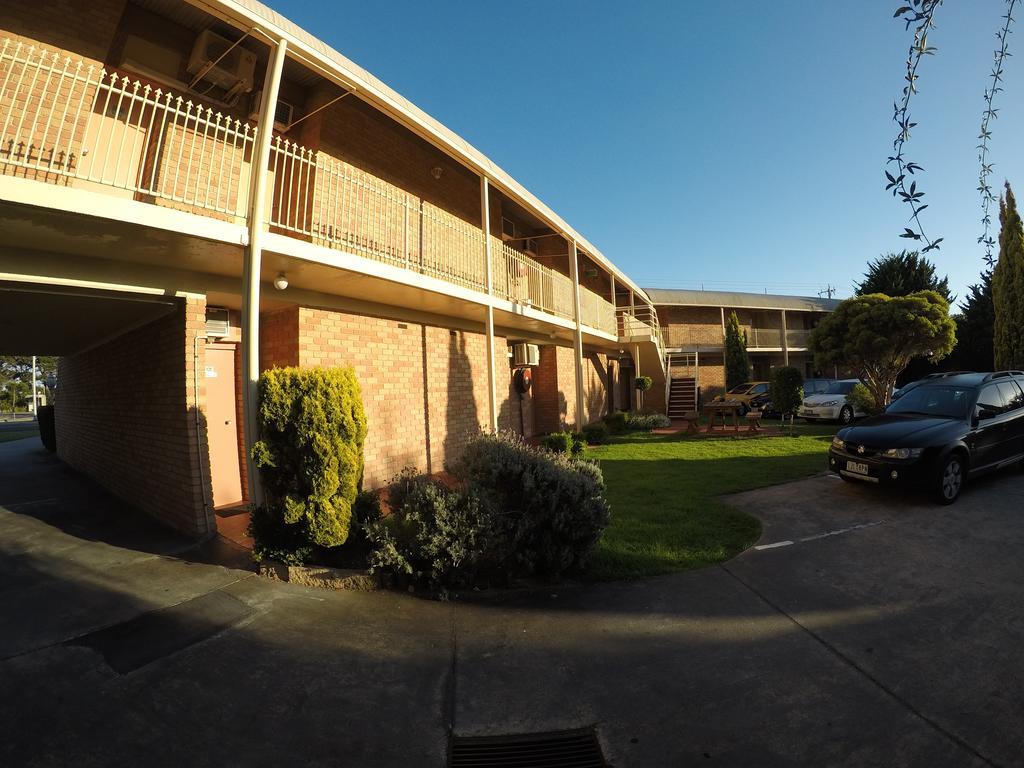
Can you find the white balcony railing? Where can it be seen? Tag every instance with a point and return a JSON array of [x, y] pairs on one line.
[[64, 122], [522, 280]]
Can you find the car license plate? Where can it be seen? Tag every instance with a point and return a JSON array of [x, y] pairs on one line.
[[809, 412], [856, 467]]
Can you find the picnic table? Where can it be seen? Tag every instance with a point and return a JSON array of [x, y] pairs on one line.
[[721, 408]]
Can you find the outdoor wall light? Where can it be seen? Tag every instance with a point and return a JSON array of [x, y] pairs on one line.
[[280, 282], [437, 171]]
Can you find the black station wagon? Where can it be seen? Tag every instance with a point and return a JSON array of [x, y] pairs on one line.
[[937, 435]]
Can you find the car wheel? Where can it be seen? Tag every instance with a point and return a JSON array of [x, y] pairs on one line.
[[846, 415], [950, 480]]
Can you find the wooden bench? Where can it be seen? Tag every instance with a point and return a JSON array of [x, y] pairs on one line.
[[692, 418], [753, 421]]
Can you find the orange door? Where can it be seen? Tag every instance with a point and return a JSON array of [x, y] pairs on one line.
[[221, 427]]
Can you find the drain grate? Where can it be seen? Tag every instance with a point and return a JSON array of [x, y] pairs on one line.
[[558, 749]]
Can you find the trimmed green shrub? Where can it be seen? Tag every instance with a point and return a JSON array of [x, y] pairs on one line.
[[571, 443], [861, 399], [787, 389], [645, 422], [616, 422], [47, 427], [596, 433], [434, 536], [643, 383], [310, 457]]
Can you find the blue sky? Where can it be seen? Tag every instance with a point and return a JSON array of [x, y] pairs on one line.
[[731, 145]]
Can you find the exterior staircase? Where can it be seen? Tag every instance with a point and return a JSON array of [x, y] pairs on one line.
[[682, 397]]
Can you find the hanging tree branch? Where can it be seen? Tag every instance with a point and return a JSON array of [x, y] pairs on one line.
[[990, 113], [919, 14]]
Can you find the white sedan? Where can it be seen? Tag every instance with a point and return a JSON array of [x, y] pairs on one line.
[[831, 404]]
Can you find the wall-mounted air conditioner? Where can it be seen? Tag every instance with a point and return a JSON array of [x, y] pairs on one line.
[[216, 61], [218, 322], [525, 354], [284, 114]]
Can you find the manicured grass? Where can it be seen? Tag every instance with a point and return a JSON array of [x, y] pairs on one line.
[[663, 491], [6, 437]]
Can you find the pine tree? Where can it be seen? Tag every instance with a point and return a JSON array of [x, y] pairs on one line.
[[901, 274], [737, 363], [1008, 288]]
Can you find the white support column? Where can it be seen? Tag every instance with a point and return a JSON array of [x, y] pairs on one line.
[[35, 402], [253, 263], [485, 214], [636, 375], [581, 418], [785, 341]]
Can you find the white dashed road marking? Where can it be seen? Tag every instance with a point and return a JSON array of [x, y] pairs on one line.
[[836, 532]]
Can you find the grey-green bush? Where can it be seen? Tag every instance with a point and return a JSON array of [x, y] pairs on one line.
[[310, 457], [547, 510], [647, 421], [434, 536]]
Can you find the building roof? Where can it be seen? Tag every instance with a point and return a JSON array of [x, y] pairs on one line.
[[318, 55], [683, 298]]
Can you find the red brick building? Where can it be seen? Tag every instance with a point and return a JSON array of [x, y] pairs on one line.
[[192, 192]]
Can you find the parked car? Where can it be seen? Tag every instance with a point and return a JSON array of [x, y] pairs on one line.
[[811, 387], [817, 386], [831, 404], [747, 393], [938, 435], [897, 394]]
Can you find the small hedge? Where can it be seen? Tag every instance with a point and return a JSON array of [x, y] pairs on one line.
[[596, 433], [570, 443], [616, 422], [310, 459], [518, 511]]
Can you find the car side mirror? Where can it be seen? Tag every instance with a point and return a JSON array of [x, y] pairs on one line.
[[985, 413]]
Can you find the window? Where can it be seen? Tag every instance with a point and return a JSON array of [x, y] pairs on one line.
[[945, 402], [1011, 394], [990, 399], [760, 389]]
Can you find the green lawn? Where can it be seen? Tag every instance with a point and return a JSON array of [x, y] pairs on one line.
[[663, 491], [18, 434]]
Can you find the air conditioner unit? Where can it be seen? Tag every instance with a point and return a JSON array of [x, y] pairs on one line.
[[218, 322], [215, 61], [284, 114], [525, 354]]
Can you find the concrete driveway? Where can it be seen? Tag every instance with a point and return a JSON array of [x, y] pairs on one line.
[[892, 643]]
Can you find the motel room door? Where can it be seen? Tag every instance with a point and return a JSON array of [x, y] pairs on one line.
[[221, 426]]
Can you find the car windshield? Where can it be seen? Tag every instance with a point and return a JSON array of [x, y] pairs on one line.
[[947, 402], [840, 388], [742, 389]]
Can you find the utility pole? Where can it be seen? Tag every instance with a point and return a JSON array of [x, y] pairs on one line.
[[829, 289]]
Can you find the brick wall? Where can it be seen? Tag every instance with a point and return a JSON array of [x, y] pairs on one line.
[[126, 416], [279, 338], [554, 389], [85, 29], [689, 326], [712, 376], [425, 388]]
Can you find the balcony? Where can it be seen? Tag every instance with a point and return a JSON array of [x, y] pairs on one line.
[[797, 338], [67, 123], [764, 338]]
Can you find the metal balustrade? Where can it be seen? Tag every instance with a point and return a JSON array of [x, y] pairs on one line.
[[66, 122], [797, 338]]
